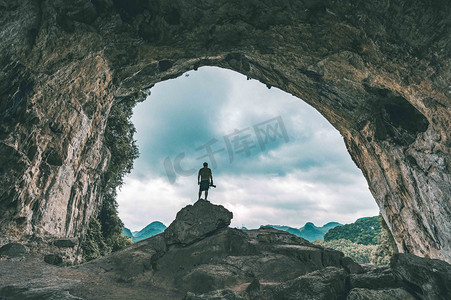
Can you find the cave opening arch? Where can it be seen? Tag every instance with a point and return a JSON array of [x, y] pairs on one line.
[[378, 72], [287, 165], [385, 118]]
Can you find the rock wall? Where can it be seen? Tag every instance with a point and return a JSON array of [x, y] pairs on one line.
[[379, 71]]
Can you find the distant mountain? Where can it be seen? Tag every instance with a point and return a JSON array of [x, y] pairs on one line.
[[365, 231], [329, 226], [126, 232], [309, 231], [152, 229]]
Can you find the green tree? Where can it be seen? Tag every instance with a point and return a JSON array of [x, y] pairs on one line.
[[94, 244], [366, 241], [358, 252], [365, 231], [386, 247]]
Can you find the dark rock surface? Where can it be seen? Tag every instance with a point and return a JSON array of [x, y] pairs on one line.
[[375, 278], [351, 266], [53, 259], [427, 278], [13, 250], [223, 263], [381, 294], [379, 71], [65, 243], [327, 283], [196, 221]]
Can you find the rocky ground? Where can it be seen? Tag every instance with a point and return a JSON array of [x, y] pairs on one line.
[[200, 257]]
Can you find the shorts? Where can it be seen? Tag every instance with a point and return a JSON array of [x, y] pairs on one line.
[[204, 185]]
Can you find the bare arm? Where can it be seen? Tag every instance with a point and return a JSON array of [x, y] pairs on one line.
[[198, 178], [211, 177]]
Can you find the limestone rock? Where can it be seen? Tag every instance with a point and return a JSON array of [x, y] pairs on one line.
[[65, 243], [53, 259], [325, 284], [253, 290], [428, 278], [196, 221], [375, 277], [216, 263], [27, 291], [219, 262], [380, 294], [13, 250], [351, 266]]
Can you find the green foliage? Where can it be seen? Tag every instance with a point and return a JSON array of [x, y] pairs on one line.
[[387, 247], [112, 224], [365, 231], [119, 141], [94, 245], [353, 245], [359, 253]]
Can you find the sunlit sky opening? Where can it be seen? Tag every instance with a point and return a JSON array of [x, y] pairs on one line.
[[275, 160]]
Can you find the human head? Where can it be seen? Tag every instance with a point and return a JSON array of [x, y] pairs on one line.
[[205, 164]]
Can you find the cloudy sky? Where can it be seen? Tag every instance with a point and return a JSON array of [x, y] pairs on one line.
[[275, 160]]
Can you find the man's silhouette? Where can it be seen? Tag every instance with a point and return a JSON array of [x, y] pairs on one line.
[[203, 180]]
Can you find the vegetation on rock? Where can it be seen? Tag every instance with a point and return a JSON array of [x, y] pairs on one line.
[[119, 141], [365, 231], [366, 241], [94, 245]]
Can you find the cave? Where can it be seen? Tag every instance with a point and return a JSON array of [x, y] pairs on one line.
[[378, 71]]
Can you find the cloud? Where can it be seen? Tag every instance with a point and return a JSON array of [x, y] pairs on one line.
[[150, 199], [254, 201], [310, 177], [177, 116]]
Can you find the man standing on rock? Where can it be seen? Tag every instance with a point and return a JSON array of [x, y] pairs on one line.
[[203, 180]]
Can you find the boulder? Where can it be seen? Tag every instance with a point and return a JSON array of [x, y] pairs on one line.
[[351, 266], [65, 243], [196, 221], [427, 278], [375, 277], [54, 259], [325, 284], [13, 250]]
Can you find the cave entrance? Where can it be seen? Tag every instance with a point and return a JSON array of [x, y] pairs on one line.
[[274, 158]]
